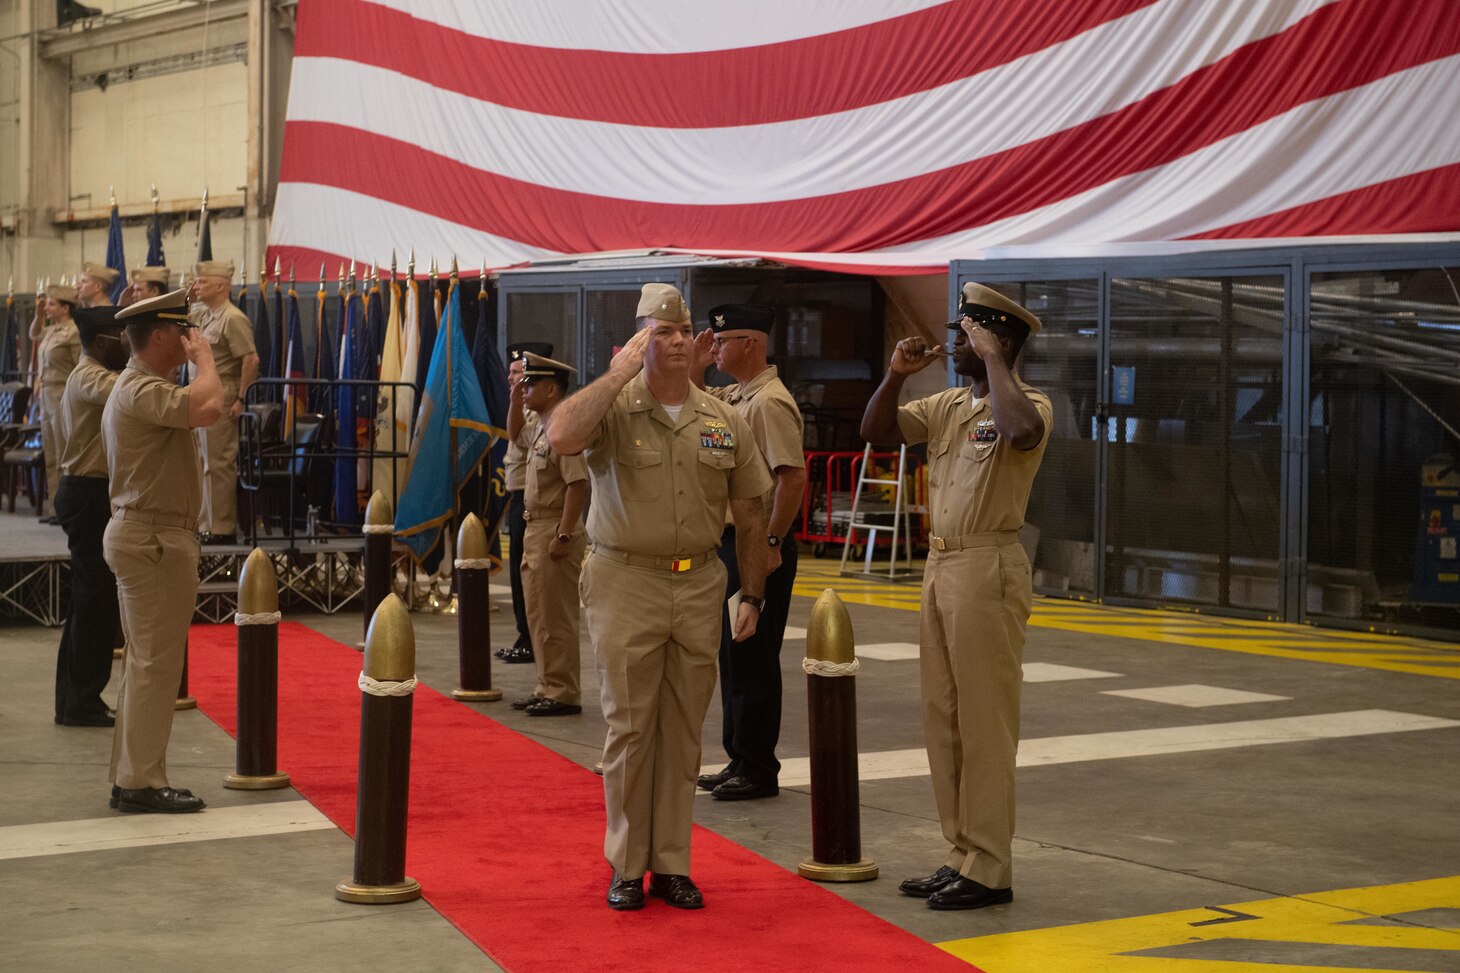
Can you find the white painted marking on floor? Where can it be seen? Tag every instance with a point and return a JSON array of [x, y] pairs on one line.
[[503, 590], [1194, 695], [138, 830], [888, 651], [889, 764], [1049, 672], [792, 632]]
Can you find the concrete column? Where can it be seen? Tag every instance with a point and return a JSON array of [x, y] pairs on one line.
[[42, 148]]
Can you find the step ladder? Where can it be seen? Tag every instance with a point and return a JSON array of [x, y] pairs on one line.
[[898, 528]]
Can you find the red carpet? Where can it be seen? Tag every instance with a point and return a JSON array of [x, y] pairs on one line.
[[506, 838]]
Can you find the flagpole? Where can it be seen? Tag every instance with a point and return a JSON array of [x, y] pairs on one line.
[[450, 393]]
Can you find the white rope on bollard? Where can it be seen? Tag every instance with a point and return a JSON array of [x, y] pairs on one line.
[[473, 564], [815, 667], [386, 688], [378, 529], [259, 618]]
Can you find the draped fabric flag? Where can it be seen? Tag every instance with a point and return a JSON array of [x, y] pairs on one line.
[[10, 349], [347, 476], [296, 397], [115, 258], [155, 256], [281, 347], [205, 236], [452, 414], [492, 376], [879, 136], [375, 322], [430, 314], [320, 398], [392, 427], [410, 357], [263, 337]]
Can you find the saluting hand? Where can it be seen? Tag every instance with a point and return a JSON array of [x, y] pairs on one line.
[[912, 355], [196, 345], [630, 357], [704, 350], [984, 342]]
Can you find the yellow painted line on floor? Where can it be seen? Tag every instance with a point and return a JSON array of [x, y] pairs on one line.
[[1278, 640], [1327, 919]]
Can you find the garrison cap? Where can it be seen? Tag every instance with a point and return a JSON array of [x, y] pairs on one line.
[[172, 306], [62, 292], [742, 317], [541, 366], [150, 275], [214, 268], [522, 348], [987, 306], [101, 272], [662, 301], [92, 321]]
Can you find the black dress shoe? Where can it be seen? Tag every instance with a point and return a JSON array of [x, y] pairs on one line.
[[965, 893], [104, 718], [677, 890], [923, 887], [625, 894], [157, 800], [522, 702], [117, 793], [743, 789], [553, 707], [708, 782], [516, 656]]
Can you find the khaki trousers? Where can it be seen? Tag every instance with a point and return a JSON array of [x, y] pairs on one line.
[[218, 448], [53, 441], [975, 606], [550, 590], [656, 635], [157, 588]]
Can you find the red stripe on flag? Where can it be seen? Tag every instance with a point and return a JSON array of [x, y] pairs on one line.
[[800, 78], [1425, 202], [1328, 53]]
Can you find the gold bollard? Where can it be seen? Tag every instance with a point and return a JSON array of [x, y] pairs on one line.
[[831, 689], [379, 534], [473, 627], [387, 682], [257, 620]]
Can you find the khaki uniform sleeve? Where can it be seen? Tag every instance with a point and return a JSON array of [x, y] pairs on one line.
[[238, 335], [1045, 408], [96, 385], [750, 478], [721, 392], [161, 403], [777, 428], [572, 468], [912, 420]]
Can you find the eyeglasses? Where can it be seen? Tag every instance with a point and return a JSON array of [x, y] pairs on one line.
[[719, 340]]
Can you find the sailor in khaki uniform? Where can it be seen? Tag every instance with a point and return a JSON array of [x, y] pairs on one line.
[[985, 443], [94, 286], [750, 672], [228, 331], [58, 353], [665, 459], [514, 471], [84, 660], [146, 282], [553, 542], [150, 542]]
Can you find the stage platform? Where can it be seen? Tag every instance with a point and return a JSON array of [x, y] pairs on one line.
[[323, 574]]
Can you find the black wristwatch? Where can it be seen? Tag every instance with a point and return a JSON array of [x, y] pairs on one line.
[[564, 538], [754, 601], [773, 540]]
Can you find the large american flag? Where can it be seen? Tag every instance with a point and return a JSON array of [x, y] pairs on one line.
[[882, 136]]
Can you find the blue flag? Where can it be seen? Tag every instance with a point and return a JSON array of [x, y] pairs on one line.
[[295, 396], [347, 502], [115, 259], [452, 401], [320, 399], [263, 333], [205, 236], [492, 375], [154, 241]]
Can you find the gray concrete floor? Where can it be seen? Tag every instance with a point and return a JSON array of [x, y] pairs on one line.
[[1101, 839]]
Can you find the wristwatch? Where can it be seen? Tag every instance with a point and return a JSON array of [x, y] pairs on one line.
[[754, 601], [773, 540], [564, 538]]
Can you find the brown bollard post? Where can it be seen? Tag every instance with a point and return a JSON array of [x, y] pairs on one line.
[[473, 627], [386, 685], [184, 698], [257, 620], [831, 688], [379, 533]]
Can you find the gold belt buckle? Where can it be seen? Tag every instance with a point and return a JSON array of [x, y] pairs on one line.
[[680, 564], [938, 544]]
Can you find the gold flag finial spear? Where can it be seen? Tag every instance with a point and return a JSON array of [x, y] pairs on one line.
[[353, 278], [205, 200], [321, 275], [392, 264], [482, 289], [433, 269], [411, 267], [154, 197], [278, 273], [454, 272], [112, 192]]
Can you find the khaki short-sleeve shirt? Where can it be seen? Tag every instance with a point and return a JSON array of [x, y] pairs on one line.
[[152, 457], [514, 464], [86, 393], [549, 474], [774, 419], [60, 351], [229, 333], [661, 487], [977, 482]]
